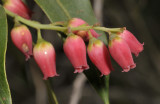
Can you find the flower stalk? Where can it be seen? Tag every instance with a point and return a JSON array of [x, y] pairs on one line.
[[39, 34], [37, 25]]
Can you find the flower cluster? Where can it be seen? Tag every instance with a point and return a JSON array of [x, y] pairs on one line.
[[121, 45]]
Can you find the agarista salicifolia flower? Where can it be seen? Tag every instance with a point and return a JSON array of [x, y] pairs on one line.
[[45, 57], [18, 7], [99, 55], [22, 39], [135, 46], [75, 49], [75, 22], [121, 53]]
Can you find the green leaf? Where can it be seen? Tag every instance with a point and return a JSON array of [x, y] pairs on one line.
[[63, 10], [5, 96]]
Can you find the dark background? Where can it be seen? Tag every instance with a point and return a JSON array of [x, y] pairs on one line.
[[139, 86]]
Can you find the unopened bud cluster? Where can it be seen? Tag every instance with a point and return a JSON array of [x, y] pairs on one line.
[[121, 46]]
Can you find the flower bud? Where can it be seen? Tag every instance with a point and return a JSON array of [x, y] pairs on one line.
[[121, 53], [22, 39], [75, 49], [99, 55], [44, 55], [18, 7], [75, 22], [135, 46]]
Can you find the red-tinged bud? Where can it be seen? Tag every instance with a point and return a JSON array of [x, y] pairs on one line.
[[22, 39], [75, 49], [135, 46], [75, 22], [18, 7], [121, 53], [44, 55], [99, 55]]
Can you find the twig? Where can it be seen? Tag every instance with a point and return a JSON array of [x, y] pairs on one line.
[[37, 25]]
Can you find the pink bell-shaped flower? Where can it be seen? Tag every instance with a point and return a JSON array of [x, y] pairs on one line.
[[75, 22], [18, 7], [45, 57], [99, 55], [135, 46], [22, 39], [121, 53], [75, 49]]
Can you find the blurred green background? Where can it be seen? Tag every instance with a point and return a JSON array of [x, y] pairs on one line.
[[139, 86]]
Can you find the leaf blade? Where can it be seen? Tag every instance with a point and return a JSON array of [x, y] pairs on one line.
[[5, 96]]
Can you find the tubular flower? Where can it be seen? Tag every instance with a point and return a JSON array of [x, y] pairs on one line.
[[44, 55], [22, 39], [18, 7], [75, 49], [99, 55], [135, 46], [75, 22], [121, 53]]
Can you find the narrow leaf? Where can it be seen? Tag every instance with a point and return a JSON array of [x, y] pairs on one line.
[[5, 96], [62, 10]]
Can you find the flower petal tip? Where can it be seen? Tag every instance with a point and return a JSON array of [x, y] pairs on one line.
[[137, 53], [79, 70], [85, 67], [27, 57], [127, 69], [102, 74], [46, 77]]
